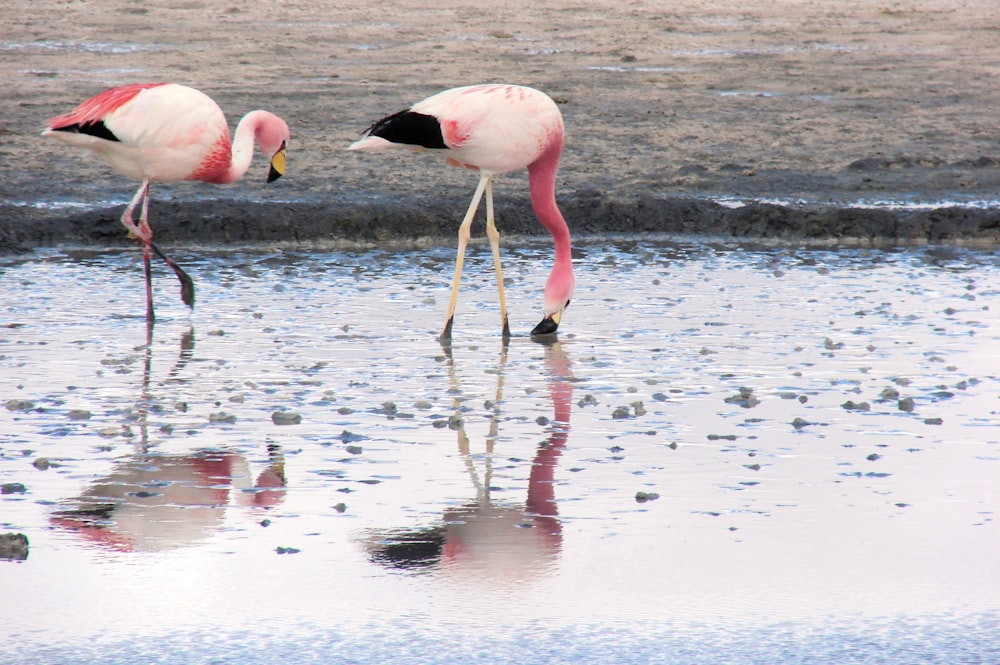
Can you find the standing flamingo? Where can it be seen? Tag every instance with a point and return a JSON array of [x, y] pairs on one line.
[[166, 132], [493, 129]]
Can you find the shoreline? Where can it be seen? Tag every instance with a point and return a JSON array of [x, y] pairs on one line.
[[229, 223]]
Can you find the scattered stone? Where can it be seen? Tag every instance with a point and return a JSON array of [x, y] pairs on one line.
[[19, 405], [873, 457], [42, 463], [752, 467], [621, 412], [643, 497], [889, 394], [222, 417], [721, 437], [13, 546], [340, 507], [906, 404], [639, 409], [355, 450], [265, 522], [287, 550], [542, 421], [799, 423], [830, 345], [286, 418], [933, 421], [588, 400], [13, 488], [745, 398], [856, 406], [659, 397]]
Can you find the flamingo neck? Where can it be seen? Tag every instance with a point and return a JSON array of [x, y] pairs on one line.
[[542, 184], [242, 149]]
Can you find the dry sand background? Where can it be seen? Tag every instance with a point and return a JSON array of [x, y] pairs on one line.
[[667, 105]]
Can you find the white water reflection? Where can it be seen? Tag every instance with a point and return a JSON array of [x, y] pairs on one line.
[[818, 425]]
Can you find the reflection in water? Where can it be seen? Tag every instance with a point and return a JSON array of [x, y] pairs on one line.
[[151, 501], [484, 538]]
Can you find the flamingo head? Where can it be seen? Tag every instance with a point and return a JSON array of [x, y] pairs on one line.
[[272, 136], [558, 293]]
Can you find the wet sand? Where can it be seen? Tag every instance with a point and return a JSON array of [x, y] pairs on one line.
[[818, 114]]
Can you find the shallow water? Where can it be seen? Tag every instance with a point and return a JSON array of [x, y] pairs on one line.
[[299, 468]]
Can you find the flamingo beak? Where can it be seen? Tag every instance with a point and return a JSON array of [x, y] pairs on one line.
[[549, 325], [277, 165]]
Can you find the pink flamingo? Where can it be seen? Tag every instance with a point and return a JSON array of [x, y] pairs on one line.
[[492, 129], [166, 132]]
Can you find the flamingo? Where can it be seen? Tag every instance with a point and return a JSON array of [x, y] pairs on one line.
[[492, 129], [165, 132]]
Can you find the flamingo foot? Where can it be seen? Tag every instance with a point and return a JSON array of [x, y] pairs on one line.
[[187, 284], [506, 328]]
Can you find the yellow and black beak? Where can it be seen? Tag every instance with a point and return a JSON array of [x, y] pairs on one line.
[[549, 325], [277, 164]]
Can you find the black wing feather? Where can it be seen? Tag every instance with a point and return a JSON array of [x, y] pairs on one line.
[[410, 128], [97, 128]]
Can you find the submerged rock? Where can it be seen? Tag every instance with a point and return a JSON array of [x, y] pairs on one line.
[[13, 546]]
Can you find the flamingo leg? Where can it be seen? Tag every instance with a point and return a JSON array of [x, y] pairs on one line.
[[463, 241], [494, 236], [145, 233], [140, 231]]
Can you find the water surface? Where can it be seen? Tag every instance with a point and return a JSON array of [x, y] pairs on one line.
[[730, 454]]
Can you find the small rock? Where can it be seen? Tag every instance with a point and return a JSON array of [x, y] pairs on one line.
[[744, 398], [222, 417], [13, 546], [906, 404], [13, 488], [799, 423], [643, 497], [933, 421], [286, 418], [340, 507], [856, 406], [889, 394], [588, 400], [78, 414], [639, 409], [287, 550], [42, 463], [621, 412], [873, 457], [355, 450], [19, 405]]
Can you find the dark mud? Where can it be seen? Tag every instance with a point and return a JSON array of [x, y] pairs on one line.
[[218, 222]]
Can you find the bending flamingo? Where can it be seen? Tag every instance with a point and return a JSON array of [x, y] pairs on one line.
[[493, 129], [164, 132]]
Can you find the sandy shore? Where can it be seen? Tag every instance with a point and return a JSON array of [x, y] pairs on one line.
[[816, 112]]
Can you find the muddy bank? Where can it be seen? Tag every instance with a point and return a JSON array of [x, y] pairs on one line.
[[234, 223]]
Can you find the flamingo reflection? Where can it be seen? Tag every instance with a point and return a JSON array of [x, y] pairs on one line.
[[483, 537], [152, 501]]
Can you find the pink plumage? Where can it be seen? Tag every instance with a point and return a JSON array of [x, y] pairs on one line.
[[493, 129], [164, 132]]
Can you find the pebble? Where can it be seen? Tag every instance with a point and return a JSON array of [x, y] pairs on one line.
[[286, 418], [643, 497], [13, 546], [13, 488]]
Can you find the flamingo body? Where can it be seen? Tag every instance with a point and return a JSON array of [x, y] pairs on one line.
[[164, 132], [493, 129]]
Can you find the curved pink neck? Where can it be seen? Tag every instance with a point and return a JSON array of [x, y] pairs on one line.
[[542, 184]]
